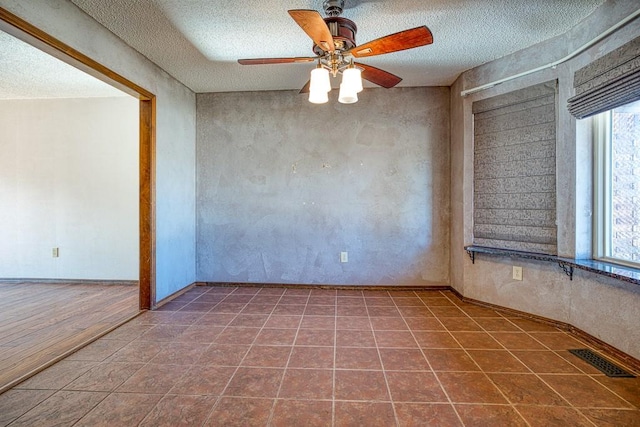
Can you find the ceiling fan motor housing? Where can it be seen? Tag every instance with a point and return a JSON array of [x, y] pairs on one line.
[[343, 31]]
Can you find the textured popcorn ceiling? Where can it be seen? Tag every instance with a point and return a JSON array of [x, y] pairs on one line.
[[199, 41], [28, 73]]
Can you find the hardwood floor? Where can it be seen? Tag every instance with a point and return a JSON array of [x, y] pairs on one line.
[[40, 322]]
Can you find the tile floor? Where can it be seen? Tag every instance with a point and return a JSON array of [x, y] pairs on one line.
[[312, 357]]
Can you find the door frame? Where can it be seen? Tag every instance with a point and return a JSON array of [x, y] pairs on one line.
[[32, 35]]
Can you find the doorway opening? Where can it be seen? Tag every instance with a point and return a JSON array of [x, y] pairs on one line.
[[144, 195]]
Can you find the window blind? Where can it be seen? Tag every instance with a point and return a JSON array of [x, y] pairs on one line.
[[515, 170], [608, 82]]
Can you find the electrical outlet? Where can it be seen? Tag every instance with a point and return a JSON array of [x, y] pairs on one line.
[[344, 256], [517, 273], [55, 252]]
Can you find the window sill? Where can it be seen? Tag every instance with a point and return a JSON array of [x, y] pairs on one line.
[[625, 274]]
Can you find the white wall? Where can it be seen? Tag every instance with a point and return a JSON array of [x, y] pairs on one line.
[[605, 308], [175, 130], [69, 179]]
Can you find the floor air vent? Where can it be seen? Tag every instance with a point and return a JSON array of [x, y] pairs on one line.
[[608, 368]]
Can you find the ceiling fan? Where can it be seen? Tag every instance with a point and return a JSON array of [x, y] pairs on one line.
[[335, 48]]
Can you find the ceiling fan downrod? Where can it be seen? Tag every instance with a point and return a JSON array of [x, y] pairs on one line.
[[333, 7]]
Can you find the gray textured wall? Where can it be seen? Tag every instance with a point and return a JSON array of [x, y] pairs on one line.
[[605, 308], [283, 186]]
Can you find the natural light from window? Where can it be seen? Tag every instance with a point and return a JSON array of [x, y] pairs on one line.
[[617, 196]]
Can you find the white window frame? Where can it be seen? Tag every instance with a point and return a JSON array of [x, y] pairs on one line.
[[602, 197]]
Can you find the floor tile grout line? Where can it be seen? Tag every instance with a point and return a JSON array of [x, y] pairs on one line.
[[218, 398], [614, 392], [547, 348], [511, 404], [510, 316], [575, 365], [106, 360], [612, 408], [286, 366], [582, 375], [108, 392], [57, 391], [195, 364], [500, 343], [446, 394], [538, 375], [235, 315], [584, 417], [146, 364], [384, 372], [221, 396]]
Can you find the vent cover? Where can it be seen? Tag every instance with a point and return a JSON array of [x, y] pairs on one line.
[[606, 367]]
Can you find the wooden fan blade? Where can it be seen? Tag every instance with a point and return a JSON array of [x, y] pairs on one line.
[[407, 39], [305, 88], [260, 61], [315, 27], [378, 76]]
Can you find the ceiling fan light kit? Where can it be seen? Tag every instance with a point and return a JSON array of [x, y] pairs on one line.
[[352, 77], [319, 85], [351, 85], [318, 97], [335, 47], [347, 95]]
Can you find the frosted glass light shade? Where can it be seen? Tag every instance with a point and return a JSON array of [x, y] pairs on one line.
[[318, 97], [347, 95], [352, 78], [320, 80]]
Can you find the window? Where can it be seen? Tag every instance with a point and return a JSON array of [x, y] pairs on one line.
[[617, 185]]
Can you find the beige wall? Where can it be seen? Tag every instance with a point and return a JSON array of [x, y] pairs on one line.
[[605, 308], [69, 179]]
